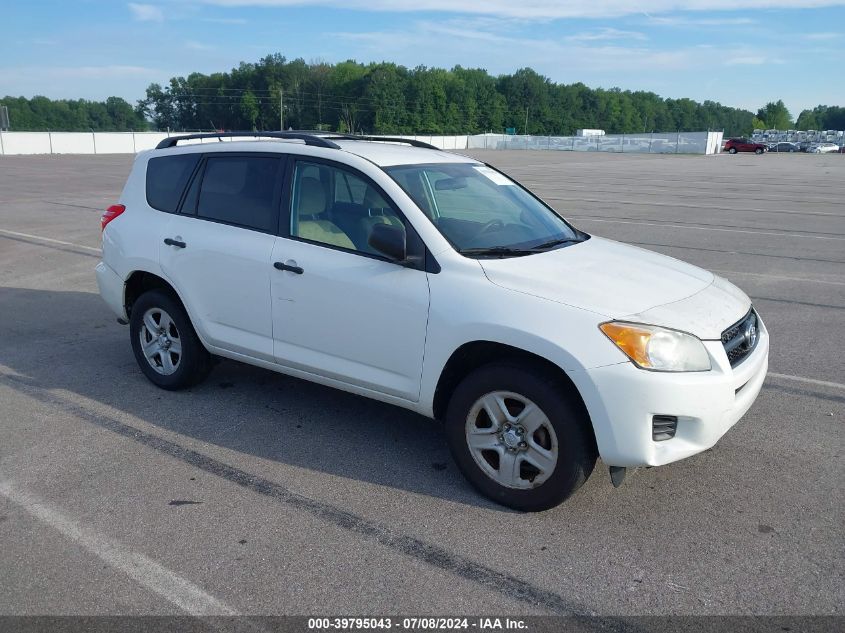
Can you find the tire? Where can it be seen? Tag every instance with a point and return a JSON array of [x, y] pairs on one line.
[[732, 150], [758, 151], [561, 439], [175, 357]]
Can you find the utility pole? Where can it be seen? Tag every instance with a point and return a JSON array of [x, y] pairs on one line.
[[526, 120], [281, 109]]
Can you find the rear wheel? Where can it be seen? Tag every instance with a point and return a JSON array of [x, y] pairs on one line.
[[517, 438], [165, 344], [732, 150]]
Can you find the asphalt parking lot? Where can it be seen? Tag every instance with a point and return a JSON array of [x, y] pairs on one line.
[[255, 493]]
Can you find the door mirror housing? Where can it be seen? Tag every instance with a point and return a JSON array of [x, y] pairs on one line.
[[389, 240]]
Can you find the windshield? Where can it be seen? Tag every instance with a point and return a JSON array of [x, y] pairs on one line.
[[483, 212]]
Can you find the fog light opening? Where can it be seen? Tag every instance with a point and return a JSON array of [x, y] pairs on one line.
[[663, 427]]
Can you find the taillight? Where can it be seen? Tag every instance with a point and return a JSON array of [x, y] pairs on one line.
[[110, 214]]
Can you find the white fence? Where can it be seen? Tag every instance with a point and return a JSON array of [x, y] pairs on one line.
[[78, 142], [650, 143], [133, 142]]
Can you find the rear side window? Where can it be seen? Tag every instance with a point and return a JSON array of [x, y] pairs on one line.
[[166, 180], [241, 190]]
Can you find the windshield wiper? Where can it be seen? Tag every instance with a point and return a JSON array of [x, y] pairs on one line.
[[507, 251], [497, 251], [558, 242]]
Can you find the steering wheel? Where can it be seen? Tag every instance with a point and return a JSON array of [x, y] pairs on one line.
[[497, 225]]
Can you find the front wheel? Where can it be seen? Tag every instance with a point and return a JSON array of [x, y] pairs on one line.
[[165, 344], [517, 437], [758, 151]]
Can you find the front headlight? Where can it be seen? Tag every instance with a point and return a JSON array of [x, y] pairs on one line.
[[657, 348]]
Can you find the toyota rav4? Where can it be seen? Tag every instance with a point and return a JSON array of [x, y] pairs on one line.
[[434, 282]]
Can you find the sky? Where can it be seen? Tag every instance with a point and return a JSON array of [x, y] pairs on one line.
[[741, 53]]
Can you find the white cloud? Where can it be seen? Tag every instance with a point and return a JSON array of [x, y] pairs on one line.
[[823, 36], [107, 72], [541, 9], [197, 46], [607, 33], [225, 20], [748, 60], [46, 74], [457, 45], [146, 12], [592, 60], [686, 21], [752, 60]]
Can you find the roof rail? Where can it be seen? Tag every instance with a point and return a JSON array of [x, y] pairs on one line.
[[385, 139], [308, 139]]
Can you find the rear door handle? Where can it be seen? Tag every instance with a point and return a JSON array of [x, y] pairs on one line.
[[176, 243], [292, 267]]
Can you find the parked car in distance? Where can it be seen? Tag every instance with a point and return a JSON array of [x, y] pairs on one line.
[[430, 281], [784, 146], [734, 145], [803, 146], [823, 148]]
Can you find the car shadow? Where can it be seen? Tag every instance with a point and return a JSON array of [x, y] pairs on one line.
[[69, 341]]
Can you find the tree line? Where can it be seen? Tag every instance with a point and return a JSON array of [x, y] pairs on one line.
[[40, 113], [385, 98], [775, 116], [822, 118]]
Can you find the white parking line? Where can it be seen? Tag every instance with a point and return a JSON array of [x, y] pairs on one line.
[[48, 239], [810, 381], [765, 276], [162, 581], [583, 218]]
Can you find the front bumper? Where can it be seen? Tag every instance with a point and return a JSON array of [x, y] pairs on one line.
[[622, 399]]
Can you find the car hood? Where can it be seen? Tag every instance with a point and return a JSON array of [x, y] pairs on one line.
[[619, 281]]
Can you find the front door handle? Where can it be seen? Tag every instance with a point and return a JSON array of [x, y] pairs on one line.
[[292, 267], [176, 243]]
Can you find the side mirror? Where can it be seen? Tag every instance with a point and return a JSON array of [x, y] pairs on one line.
[[389, 240]]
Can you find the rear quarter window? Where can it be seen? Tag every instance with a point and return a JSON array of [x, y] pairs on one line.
[[167, 177]]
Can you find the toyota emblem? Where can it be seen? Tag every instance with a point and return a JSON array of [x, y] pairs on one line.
[[750, 334]]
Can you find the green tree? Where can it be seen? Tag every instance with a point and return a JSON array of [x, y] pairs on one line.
[[758, 124], [775, 115], [388, 98], [807, 121], [249, 109], [41, 113]]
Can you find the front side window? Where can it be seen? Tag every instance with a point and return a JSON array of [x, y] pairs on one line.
[[481, 211], [240, 190], [336, 207]]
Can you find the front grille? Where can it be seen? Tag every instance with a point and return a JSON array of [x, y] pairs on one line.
[[741, 338]]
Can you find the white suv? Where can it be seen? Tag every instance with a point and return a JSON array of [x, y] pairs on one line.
[[434, 282]]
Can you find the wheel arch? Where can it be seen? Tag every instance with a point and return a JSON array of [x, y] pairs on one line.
[[472, 355], [140, 281]]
